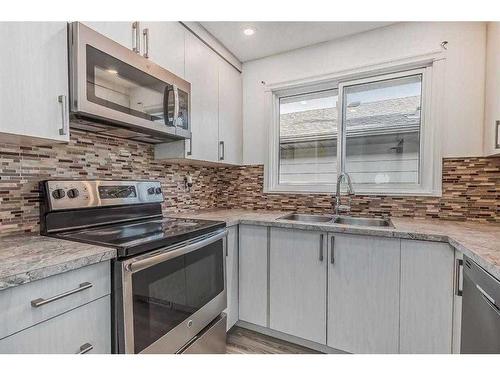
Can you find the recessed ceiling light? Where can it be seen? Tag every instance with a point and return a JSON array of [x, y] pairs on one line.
[[112, 71], [249, 31]]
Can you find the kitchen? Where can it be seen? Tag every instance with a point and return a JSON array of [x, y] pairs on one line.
[[219, 187]]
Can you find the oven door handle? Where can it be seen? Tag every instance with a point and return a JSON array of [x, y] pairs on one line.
[[139, 264]]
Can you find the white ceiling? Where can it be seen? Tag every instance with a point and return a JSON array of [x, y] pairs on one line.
[[271, 38]]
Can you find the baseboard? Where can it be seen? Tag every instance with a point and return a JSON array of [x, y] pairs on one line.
[[285, 337]]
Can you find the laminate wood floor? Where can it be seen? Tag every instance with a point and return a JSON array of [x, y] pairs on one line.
[[244, 341]]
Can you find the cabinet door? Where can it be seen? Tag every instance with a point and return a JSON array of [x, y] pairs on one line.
[[230, 114], [120, 32], [232, 276], [297, 283], [253, 289], [363, 294], [202, 73], [69, 333], [426, 297], [166, 45], [33, 75], [492, 92]]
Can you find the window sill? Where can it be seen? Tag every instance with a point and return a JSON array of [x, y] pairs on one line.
[[315, 190]]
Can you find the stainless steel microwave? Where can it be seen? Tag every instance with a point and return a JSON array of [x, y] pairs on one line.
[[117, 92]]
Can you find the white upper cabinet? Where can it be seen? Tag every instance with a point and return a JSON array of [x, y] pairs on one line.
[[163, 43], [216, 95], [202, 71], [492, 101], [230, 114], [34, 82], [121, 32]]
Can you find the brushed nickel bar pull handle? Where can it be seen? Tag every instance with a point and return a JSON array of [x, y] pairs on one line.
[[145, 34], [136, 37], [85, 348], [40, 301], [64, 114], [221, 150], [459, 266], [321, 238], [332, 250]]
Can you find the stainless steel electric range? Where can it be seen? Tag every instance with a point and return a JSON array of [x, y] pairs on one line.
[[169, 287]]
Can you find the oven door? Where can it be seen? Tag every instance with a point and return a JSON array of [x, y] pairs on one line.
[[113, 84], [170, 295]]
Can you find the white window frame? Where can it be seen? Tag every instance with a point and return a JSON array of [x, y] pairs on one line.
[[432, 71]]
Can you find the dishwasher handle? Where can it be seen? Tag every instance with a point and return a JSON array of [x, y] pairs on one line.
[[489, 299], [490, 304]]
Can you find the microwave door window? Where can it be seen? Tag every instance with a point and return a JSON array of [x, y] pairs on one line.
[[166, 294], [121, 87]]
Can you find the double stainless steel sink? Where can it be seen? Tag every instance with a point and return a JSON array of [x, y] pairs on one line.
[[331, 219]]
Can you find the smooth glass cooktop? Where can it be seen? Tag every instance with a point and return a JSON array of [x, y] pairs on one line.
[[133, 234]]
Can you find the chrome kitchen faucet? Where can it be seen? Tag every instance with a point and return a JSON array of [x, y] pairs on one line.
[[338, 206]]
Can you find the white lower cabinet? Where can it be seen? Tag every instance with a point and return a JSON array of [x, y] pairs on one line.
[[363, 294], [253, 287], [86, 329], [426, 307], [297, 283], [66, 313], [354, 293], [232, 276]]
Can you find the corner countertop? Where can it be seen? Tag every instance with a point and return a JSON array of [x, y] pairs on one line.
[[26, 258], [480, 242]]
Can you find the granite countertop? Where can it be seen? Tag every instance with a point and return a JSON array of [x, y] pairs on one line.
[[26, 258], [480, 242]]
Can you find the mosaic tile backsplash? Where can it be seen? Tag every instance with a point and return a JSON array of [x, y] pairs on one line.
[[471, 186], [471, 191], [89, 156]]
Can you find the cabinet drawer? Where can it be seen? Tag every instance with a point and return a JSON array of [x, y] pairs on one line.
[[86, 328], [18, 312]]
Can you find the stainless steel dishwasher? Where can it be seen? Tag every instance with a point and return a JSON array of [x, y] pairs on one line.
[[480, 311]]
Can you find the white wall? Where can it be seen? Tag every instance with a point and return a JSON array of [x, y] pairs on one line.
[[462, 132]]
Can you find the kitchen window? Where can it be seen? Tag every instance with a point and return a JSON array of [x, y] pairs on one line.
[[376, 128]]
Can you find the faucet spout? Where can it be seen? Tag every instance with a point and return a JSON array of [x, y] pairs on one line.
[[338, 206]]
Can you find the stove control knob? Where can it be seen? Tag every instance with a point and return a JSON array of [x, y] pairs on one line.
[[73, 193], [58, 193], [151, 190], [158, 190]]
